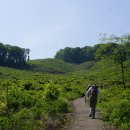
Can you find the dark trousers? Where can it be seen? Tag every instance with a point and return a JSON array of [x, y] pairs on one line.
[[93, 112], [93, 102]]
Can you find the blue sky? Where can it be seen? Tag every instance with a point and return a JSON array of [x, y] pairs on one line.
[[45, 26]]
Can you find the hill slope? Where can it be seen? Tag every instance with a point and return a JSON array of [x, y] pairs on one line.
[[56, 66], [27, 87]]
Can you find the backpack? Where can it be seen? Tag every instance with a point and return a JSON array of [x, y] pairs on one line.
[[93, 91]]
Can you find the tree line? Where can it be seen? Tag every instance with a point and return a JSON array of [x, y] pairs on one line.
[[110, 47], [13, 55], [76, 55]]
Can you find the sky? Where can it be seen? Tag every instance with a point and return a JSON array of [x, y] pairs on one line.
[[46, 26]]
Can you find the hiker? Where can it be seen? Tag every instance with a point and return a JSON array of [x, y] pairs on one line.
[[93, 93]]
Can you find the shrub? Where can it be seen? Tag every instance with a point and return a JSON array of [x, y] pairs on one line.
[[116, 107], [4, 123], [51, 92]]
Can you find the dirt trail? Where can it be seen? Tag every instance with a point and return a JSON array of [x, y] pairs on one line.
[[81, 120]]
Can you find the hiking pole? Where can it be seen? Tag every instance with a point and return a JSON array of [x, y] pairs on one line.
[[85, 100]]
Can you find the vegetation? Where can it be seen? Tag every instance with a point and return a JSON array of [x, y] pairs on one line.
[[51, 66], [111, 46], [39, 96], [76, 55], [13, 56], [32, 100]]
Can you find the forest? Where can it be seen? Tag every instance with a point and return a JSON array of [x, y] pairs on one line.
[[39, 97], [13, 56], [109, 47]]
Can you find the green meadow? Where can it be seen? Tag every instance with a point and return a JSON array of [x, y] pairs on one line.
[[38, 98]]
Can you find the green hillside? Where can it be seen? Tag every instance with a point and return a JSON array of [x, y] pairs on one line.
[[42, 95], [56, 66], [28, 96], [51, 66]]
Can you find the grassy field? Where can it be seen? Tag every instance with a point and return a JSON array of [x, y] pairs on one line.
[[38, 97]]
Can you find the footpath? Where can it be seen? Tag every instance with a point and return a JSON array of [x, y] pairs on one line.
[[80, 120]]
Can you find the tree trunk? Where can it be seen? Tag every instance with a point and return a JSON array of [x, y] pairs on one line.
[[123, 75]]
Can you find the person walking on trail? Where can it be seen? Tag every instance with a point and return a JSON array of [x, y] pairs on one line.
[[93, 93]]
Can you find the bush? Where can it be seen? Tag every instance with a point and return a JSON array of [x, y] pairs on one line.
[[23, 120], [116, 107], [4, 123], [51, 92]]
